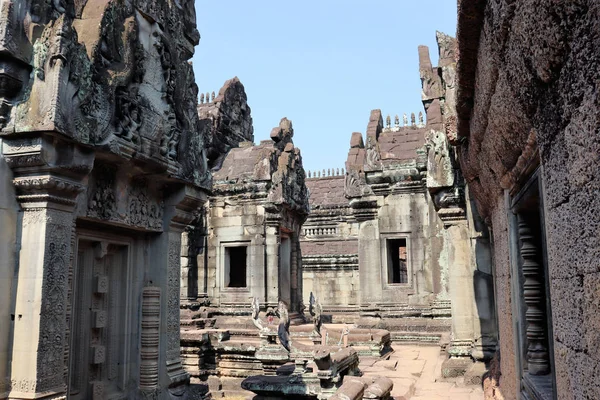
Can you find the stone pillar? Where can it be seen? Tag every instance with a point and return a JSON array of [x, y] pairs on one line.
[[8, 249], [188, 269], [272, 265], [369, 250], [201, 264], [181, 208], [296, 274], [47, 196], [41, 301], [462, 293], [273, 220], [485, 326]]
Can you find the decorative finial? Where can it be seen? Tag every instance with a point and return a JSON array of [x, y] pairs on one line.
[[412, 119], [405, 120], [318, 174], [212, 97], [328, 172], [324, 173], [337, 172], [343, 171], [388, 121], [201, 98], [309, 174], [207, 97], [421, 119], [397, 121]]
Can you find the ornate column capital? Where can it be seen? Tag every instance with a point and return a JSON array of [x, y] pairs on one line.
[[186, 202], [452, 216], [364, 208], [183, 205], [47, 169]]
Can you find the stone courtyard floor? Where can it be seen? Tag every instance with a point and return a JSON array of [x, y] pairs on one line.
[[416, 371]]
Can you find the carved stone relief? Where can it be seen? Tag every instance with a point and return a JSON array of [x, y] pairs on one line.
[[144, 211], [373, 160]]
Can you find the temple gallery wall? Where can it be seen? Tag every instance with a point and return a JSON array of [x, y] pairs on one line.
[[150, 249]]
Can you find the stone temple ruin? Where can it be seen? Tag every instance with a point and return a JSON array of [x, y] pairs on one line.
[[391, 246], [151, 250]]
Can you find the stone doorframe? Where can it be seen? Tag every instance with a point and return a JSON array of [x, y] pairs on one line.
[[49, 174]]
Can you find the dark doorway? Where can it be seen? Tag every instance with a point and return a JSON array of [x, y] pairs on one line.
[[235, 259], [397, 261]]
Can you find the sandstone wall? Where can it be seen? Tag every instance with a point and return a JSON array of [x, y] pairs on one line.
[[8, 246], [399, 216], [259, 200], [528, 80], [334, 287], [330, 244], [243, 225]]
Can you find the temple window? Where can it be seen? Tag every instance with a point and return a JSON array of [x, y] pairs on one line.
[[397, 260], [533, 303], [235, 266]]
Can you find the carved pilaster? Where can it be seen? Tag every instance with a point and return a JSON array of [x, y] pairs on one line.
[[533, 292], [149, 348], [47, 179], [185, 202], [174, 367], [45, 265]]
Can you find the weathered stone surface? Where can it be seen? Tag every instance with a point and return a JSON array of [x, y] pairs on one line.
[[525, 100], [226, 122], [99, 128], [259, 203], [118, 85]]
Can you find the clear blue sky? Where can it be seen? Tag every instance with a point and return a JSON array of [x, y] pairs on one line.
[[323, 64]]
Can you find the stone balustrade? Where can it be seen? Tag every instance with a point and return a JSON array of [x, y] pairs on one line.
[[326, 173]]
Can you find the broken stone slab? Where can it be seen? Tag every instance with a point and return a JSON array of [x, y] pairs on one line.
[[380, 389], [301, 386], [351, 389]]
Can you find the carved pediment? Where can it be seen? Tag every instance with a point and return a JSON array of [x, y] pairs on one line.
[[113, 75]]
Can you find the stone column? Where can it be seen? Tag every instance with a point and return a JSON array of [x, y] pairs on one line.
[[369, 251], [47, 196], [272, 241], [181, 207], [8, 252], [189, 291], [296, 274], [41, 301], [462, 293], [201, 263]]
